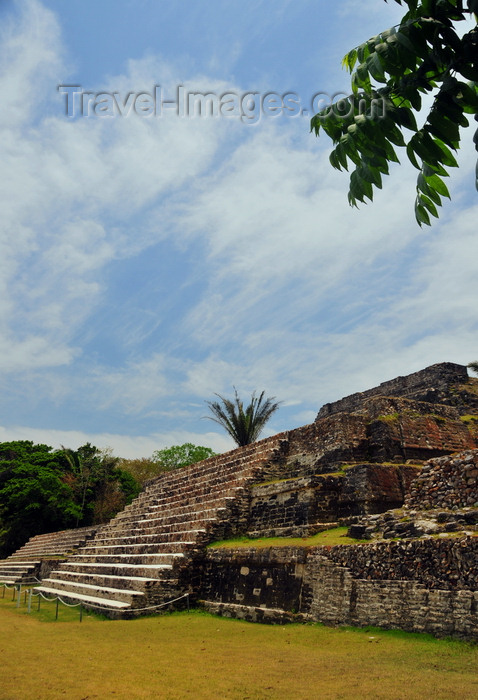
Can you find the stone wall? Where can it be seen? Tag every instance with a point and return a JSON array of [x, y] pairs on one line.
[[336, 598], [446, 482], [421, 586], [306, 505], [431, 384], [401, 429], [448, 563], [387, 430], [314, 448]]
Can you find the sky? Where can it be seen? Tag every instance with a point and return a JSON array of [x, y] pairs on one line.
[[151, 256]]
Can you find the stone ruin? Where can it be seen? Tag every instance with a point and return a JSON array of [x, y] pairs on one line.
[[40, 554], [397, 465]]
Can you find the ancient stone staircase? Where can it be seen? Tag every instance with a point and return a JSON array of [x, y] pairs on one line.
[[142, 558], [25, 564]]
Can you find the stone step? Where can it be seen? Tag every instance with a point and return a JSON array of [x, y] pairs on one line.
[[225, 489], [54, 546], [105, 592], [183, 479], [153, 538], [17, 573], [136, 559], [195, 502], [82, 598], [41, 553], [114, 568], [165, 523], [131, 549], [223, 483], [212, 505], [136, 583]]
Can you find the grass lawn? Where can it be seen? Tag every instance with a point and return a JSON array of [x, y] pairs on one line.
[[328, 537], [198, 656]]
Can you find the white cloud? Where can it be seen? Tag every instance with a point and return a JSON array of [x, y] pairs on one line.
[[126, 446], [292, 291], [29, 58]]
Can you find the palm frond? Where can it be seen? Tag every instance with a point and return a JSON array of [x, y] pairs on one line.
[[244, 426]]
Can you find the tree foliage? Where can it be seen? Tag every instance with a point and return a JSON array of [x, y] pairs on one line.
[[473, 366], [34, 498], [423, 55], [179, 456], [42, 490], [101, 488], [142, 468], [244, 425]]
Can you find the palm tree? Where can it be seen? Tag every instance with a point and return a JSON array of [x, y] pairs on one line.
[[243, 425]]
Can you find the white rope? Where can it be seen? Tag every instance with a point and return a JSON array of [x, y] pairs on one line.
[[93, 605], [151, 607], [50, 600], [107, 607], [9, 588], [161, 605]]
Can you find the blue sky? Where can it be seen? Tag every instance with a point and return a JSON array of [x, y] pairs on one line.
[[149, 262]]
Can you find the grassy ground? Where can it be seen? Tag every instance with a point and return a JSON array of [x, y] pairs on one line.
[[335, 536], [194, 655], [328, 537]]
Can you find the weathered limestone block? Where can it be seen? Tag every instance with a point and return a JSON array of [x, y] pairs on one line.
[[268, 578], [306, 505], [446, 482], [422, 586], [434, 384]]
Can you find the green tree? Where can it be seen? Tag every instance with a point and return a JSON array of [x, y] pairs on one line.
[[101, 487], [34, 497], [179, 456], [42, 490], [142, 468], [423, 55], [473, 366], [244, 425]]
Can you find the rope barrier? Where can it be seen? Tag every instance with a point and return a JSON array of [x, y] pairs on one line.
[[9, 588], [111, 607], [105, 607], [68, 605]]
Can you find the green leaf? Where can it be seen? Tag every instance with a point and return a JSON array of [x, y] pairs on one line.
[[403, 39], [423, 186], [434, 169], [362, 52], [362, 77], [469, 72], [334, 161], [341, 155], [421, 213], [371, 175], [411, 157], [315, 125], [438, 185], [355, 191], [405, 117], [375, 67], [444, 129], [391, 132], [447, 157], [350, 60], [427, 202], [426, 187]]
